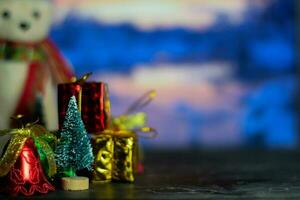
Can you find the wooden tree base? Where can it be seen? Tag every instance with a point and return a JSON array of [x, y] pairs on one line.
[[75, 183]]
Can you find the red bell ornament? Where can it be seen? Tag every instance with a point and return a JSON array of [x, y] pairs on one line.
[[27, 177]]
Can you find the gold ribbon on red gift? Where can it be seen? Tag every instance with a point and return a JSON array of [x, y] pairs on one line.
[[80, 82], [83, 90]]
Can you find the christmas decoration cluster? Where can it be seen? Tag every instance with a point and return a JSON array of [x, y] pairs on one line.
[[89, 143]]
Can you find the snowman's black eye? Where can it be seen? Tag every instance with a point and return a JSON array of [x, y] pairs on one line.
[[36, 14], [5, 14]]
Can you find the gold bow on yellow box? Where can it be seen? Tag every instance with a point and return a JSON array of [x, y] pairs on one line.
[[116, 149]]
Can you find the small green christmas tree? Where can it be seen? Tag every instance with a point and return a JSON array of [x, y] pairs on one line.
[[74, 151]]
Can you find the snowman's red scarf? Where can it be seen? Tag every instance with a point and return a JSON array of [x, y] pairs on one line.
[[37, 73]]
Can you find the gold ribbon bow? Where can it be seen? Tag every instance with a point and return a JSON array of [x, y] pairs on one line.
[[18, 139], [132, 124], [80, 81]]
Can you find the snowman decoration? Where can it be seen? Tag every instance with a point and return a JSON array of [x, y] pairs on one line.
[[30, 65]]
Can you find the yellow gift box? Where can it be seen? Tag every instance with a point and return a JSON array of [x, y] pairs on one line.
[[116, 150], [116, 157]]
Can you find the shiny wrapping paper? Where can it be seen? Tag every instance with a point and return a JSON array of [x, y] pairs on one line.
[[125, 158], [93, 102], [115, 157], [103, 148]]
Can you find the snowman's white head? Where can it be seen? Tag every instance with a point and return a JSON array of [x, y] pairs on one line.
[[26, 21]]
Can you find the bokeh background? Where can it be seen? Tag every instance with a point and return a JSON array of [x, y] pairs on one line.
[[224, 70]]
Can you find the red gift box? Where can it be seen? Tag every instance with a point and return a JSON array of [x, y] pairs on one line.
[[93, 102]]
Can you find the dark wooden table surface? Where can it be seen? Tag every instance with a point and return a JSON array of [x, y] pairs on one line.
[[204, 175]]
